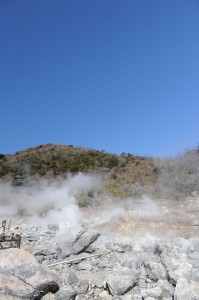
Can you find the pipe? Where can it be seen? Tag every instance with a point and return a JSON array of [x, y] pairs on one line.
[[75, 259]]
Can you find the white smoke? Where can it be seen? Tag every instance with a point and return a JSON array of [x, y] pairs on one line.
[[46, 203], [147, 207]]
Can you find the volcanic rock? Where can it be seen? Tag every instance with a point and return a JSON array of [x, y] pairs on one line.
[[83, 240], [22, 277]]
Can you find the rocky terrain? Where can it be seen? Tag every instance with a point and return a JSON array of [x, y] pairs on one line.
[[104, 233], [128, 261]]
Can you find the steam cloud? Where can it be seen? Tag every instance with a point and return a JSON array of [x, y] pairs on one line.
[[57, 202], [47, 203]]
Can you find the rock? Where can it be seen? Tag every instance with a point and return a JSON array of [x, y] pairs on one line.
[[120, 283], [195, 275], [104, 295], [194, 288], [146, 269], [6, 297], [83, 297], [53, 227], [130, 260], [166, 287], [85, 265], [152, 292], [154, 268], [66, 249], [82, 287], [142, 279], [22, 276], [195, 243], [90, 249], [176, 263], [67, 276], [182, 290], [49, 296], [195, 222], [147, 245], [119, 247], [66, 293], [83, 240]]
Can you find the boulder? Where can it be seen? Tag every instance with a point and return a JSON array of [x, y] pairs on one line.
[[166, 287], [22, 276], [182, 290], [66, 249], [66, 293], [119, 283], [154, 292], [83, 240], [176, 263], [194, 288], [67, 276], [154, 268], [82, 287], [49, 296]]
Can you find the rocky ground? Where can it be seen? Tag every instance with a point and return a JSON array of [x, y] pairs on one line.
[[128, 257]]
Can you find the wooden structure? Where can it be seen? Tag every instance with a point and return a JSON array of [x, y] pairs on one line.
[[10, 241], [7, 239]]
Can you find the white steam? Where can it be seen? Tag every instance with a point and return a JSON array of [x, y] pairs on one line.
[[47, 203]]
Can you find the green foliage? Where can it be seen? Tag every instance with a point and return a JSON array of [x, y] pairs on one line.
[[112, 162], [58, 160]]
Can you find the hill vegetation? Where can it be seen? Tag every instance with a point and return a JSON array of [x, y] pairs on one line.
[[52, 161], [124, 175]]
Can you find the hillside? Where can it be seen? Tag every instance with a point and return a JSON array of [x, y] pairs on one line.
[[124, 175], [52, 161]]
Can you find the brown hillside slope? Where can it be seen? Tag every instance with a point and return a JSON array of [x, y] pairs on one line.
[[123, 175], [50, 161]]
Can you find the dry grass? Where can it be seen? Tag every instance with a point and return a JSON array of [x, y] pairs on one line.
[[177, 221]]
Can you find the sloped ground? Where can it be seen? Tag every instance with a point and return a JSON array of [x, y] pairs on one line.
[[148, 245], [143, 253]]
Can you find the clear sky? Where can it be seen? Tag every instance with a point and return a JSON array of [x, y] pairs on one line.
[[113, 75]]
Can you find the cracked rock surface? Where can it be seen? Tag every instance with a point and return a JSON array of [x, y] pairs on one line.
[[22, 277], [149, 268]]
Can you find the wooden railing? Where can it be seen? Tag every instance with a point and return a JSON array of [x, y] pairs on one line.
[[10, 241]]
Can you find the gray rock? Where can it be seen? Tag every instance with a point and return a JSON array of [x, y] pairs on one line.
[[142, 279], [195, 274], [7, 297], [83, 240], [153, 292], [65, 249], [82, 287], [90, 249], [85, 265], [130, 260], [196, 223], [83, 297], [67, 276], [53, 227], [166, 287], [66, 293], [195, 243], [22, 276], [182, 290], [176, 264], [49, 296], [194, 288], [154, 268], [118, 247], [119, 283]]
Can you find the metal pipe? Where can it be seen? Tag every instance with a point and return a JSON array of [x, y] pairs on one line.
[[75, 259]]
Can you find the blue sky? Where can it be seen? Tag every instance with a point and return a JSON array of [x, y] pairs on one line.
[[119, 76]]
